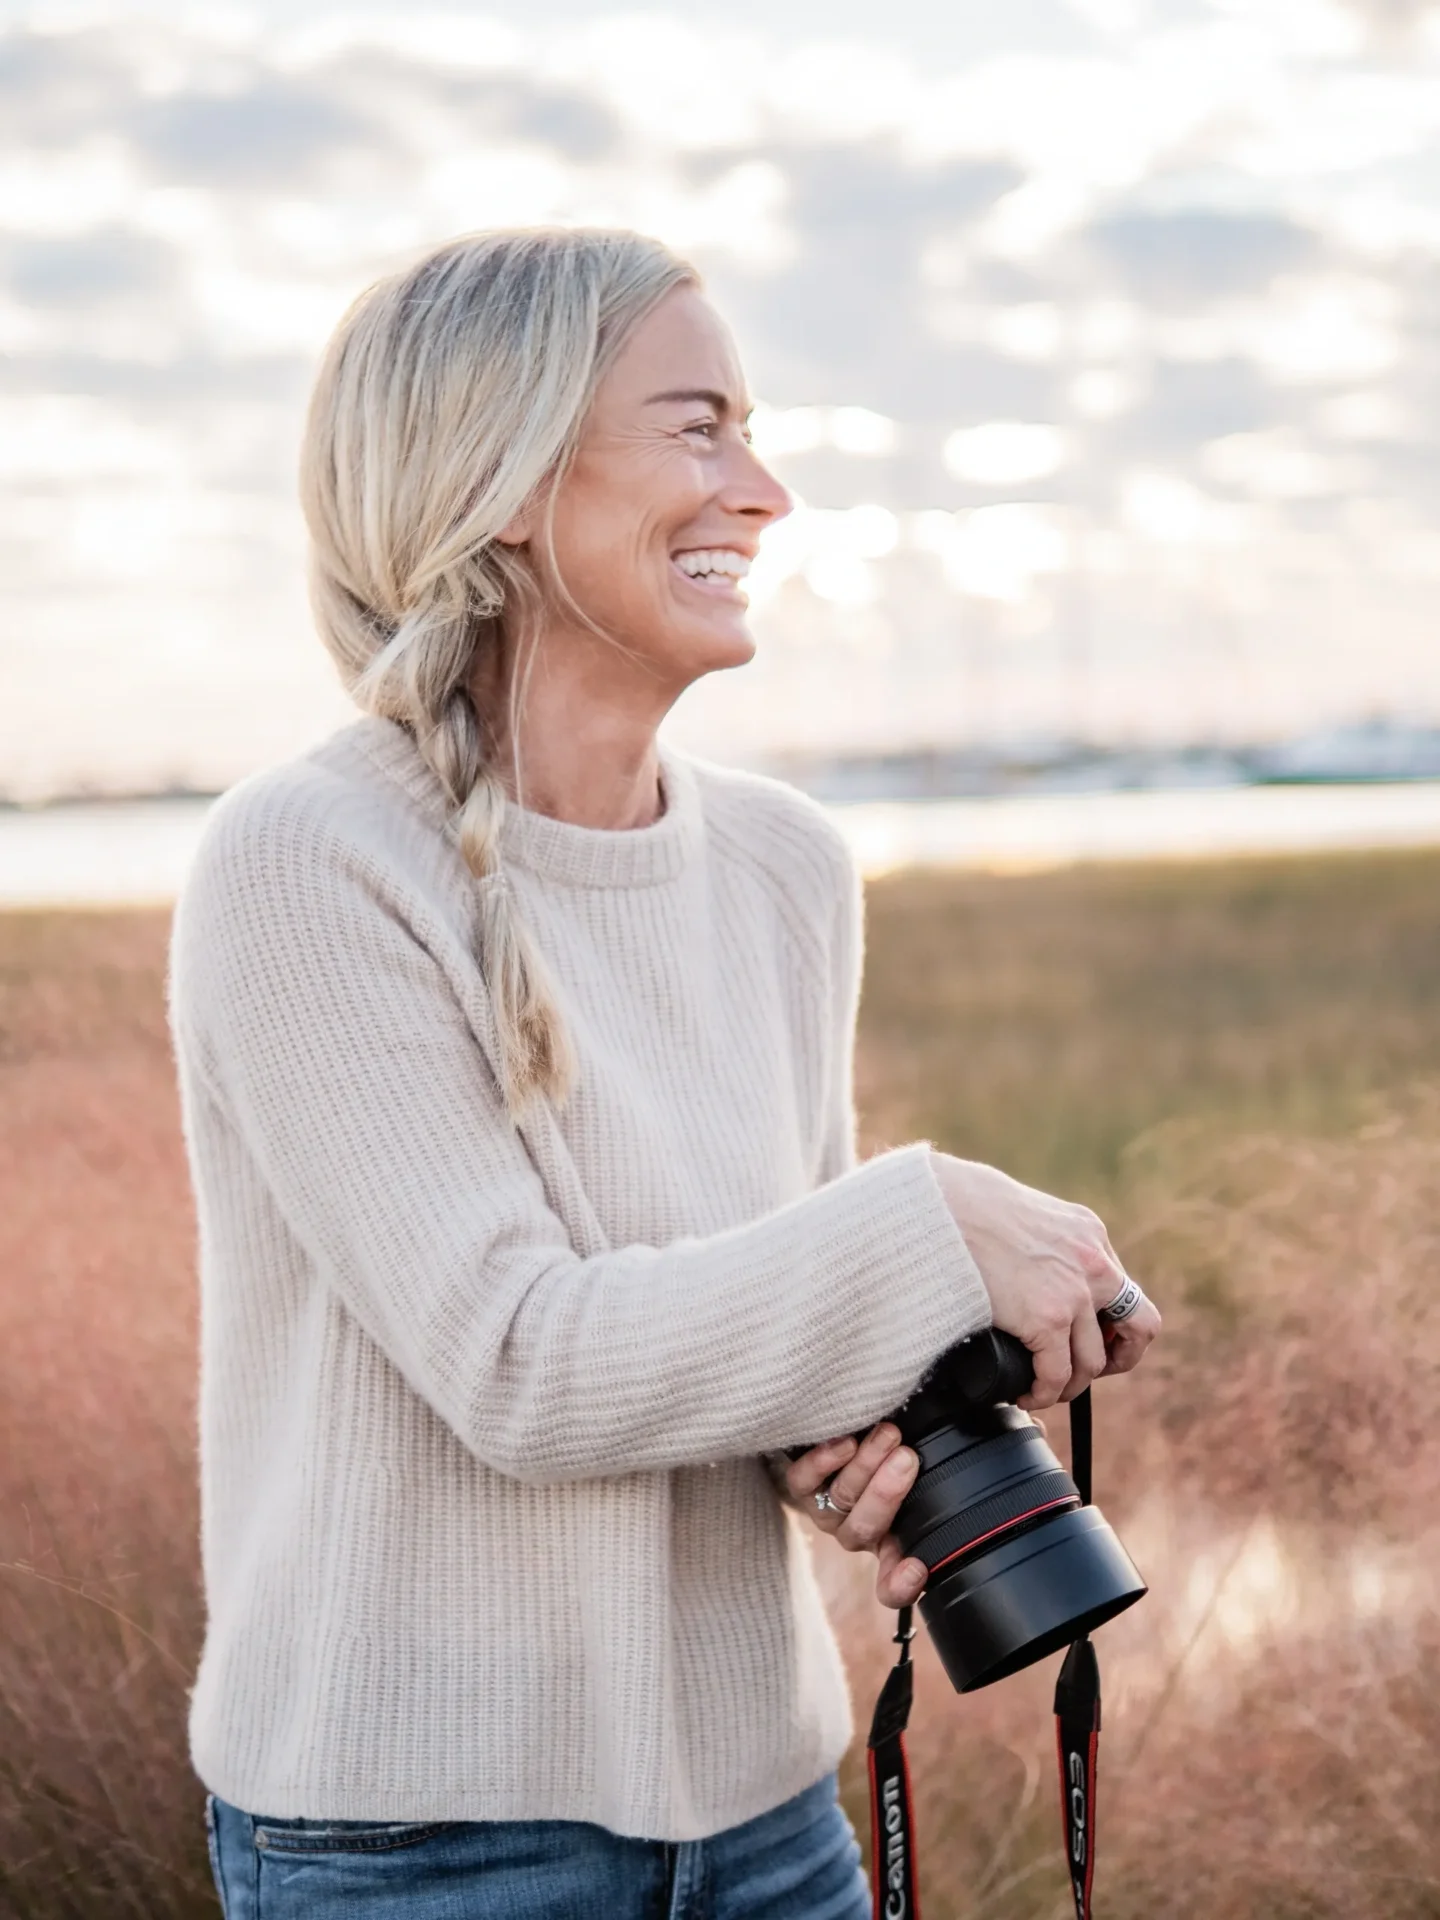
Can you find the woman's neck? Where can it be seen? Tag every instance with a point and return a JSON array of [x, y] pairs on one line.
[[582, 757]]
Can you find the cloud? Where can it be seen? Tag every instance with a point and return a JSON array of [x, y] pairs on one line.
[[110, 264], [1005, 453], [1392, 21], [1186, 403], [1278, 465], [270, 132], [461, 105], [996, 553], [844, 317], [56, 88], [1199, 254], [1164, 278]]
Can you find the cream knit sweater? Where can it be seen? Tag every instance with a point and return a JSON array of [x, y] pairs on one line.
[[487, 1532]]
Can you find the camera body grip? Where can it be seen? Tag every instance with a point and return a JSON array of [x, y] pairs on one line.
[[990, 1369]]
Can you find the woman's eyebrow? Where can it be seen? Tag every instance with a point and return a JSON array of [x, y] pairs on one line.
[[708, 395]]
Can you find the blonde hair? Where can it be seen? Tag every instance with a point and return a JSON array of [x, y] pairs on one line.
[[450, 398]]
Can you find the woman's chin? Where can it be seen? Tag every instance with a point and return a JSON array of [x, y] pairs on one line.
[[736, 651], [724, 640], [689, 651], [681, 648]]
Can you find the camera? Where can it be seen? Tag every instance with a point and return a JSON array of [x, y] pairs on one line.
[[1019, 1566]]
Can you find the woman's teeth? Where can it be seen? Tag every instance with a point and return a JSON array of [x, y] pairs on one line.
[[702, 563]]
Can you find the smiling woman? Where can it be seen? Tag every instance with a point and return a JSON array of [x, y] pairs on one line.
[[558, 456], [515, 1054]]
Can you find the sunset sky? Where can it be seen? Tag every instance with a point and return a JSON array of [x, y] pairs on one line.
[[1100, 339]]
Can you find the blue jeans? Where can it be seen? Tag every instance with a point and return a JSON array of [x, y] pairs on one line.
[[799, 1862]]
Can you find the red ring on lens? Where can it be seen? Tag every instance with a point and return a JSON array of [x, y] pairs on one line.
[[1008, 1526]]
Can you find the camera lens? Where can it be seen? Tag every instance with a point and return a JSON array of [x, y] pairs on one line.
[[1018, 1566]]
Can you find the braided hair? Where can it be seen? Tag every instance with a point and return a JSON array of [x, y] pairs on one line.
[[450, 398]]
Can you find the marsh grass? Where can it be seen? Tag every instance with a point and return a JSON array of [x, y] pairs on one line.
[[1044, 1022], [1270, 1729], [1236, 1063], [99, 1610]]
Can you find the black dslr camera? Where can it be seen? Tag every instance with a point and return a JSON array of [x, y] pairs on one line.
[[1019, 1566]]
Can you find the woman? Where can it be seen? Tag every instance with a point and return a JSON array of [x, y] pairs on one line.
[[515, 1054]]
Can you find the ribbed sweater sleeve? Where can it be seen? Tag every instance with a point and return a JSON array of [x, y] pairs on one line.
[[329, 1037], [847, 956]]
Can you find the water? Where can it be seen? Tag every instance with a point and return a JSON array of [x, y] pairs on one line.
[[135, 852], [114, 853], [1046, 830]]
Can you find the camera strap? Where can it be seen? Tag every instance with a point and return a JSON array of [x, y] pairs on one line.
[[1077, 1708], [894, 1881], [894, 1876]]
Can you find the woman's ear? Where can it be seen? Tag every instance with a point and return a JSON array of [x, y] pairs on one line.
[[528, 523]]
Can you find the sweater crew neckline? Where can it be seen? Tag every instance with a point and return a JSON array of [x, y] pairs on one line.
[[558, 850]]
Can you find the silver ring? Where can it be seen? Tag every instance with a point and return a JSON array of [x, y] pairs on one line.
[[824, 1504], [1124, 1304]]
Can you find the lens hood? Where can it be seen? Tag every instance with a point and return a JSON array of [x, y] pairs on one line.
[[992, 1613]]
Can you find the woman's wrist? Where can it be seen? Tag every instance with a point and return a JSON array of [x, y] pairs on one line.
[[959, 1182]]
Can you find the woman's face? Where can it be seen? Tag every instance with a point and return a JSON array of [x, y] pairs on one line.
[[658, 518]]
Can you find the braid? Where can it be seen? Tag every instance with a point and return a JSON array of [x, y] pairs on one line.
[[451, 394], [431, 657]]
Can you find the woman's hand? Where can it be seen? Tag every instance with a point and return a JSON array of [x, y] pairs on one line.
[[1048, 1267], [870, 1482]]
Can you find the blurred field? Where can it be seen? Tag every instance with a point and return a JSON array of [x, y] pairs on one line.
[[1235, 1063]]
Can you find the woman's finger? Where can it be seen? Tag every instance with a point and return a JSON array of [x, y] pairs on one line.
[[1088, 1356], [873, 1514], [1051, 1364], [1107, 1281], [1127, 1343], [855, 1476], [898, 1582], [805, 1477]]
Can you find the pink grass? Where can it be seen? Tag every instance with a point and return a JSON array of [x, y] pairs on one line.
[[1272, 1724]]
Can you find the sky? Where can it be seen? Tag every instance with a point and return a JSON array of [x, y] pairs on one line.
[[1097, 339]]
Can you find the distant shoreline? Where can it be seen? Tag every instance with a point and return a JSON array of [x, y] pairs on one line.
[[821, 787], [135, 852], [1366, 753]]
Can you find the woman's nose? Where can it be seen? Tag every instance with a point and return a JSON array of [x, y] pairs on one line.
[[750, 488]]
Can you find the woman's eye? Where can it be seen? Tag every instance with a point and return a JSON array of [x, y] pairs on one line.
[[708, 427]]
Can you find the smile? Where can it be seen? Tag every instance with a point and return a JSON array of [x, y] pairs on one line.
[[717, 571]]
